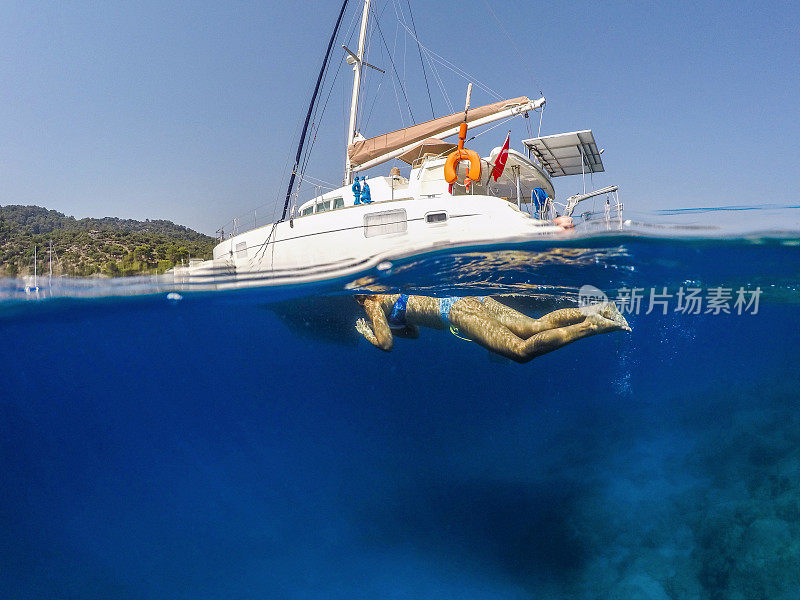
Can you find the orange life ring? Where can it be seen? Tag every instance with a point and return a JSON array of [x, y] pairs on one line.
[[455, 157]]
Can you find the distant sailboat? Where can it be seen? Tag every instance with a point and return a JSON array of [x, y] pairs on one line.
[[32, 286]]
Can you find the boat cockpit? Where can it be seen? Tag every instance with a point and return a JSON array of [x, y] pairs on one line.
[[516, 184], [525, 181]]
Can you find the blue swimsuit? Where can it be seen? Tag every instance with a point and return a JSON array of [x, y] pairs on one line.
[[445, 304], [397, 318]]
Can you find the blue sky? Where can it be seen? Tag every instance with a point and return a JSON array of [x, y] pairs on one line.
[[189, 111]]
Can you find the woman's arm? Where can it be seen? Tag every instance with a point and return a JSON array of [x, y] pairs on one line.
[[380, 335]]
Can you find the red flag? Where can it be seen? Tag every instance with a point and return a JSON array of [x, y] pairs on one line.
[[500, 161]]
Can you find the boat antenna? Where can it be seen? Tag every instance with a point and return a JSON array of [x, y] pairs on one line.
[[310, 110]]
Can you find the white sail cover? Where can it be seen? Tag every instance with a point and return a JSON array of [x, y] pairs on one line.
[[363, 151]]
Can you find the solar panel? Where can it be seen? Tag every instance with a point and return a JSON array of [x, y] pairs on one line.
[[567, 153]]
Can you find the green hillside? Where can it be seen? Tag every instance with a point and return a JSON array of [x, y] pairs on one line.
[[83, 247]]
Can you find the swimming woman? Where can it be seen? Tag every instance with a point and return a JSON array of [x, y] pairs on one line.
[[485, 321]]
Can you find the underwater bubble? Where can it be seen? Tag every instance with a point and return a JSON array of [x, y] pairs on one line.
[[174, 297], [384, 266]]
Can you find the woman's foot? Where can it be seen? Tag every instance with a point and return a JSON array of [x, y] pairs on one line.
[[610, 311], [606, 317]]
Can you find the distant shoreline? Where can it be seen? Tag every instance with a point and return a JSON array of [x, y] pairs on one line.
[[106, 247]]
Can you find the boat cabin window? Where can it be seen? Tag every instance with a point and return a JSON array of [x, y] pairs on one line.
[[307, 211], [338, 203], [241, 250], [323, 206], [436, 217], [477, 187], [387, 221], [504, 188]]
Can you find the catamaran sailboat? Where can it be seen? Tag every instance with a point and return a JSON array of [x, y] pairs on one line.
[[451, 198]]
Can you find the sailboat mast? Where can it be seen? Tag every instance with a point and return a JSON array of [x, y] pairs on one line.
[[357, 66]]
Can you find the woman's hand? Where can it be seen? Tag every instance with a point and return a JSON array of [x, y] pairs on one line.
[[363, 328]]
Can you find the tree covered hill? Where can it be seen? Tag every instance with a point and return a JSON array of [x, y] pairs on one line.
[[84, 247]]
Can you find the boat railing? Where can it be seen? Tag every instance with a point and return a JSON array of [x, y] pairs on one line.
[[262, 215], [611, 213], [253, 219]]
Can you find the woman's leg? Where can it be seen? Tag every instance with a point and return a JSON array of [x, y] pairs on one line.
[[525, 326], [553, 339], [490, 333]]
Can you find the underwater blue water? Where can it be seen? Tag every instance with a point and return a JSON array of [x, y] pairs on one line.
[[247, 444]]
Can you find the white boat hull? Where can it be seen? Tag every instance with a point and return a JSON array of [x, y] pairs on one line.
[[343, 242]]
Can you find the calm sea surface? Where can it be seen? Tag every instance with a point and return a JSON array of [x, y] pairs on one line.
[[249, 444]]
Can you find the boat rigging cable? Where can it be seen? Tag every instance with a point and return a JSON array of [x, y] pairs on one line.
[[394, 68], [514, 45], [400, 16], [364, 122], [316, 121], [310, 111], [315, 125], [449, 65], [413, 25], [262, 248]]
